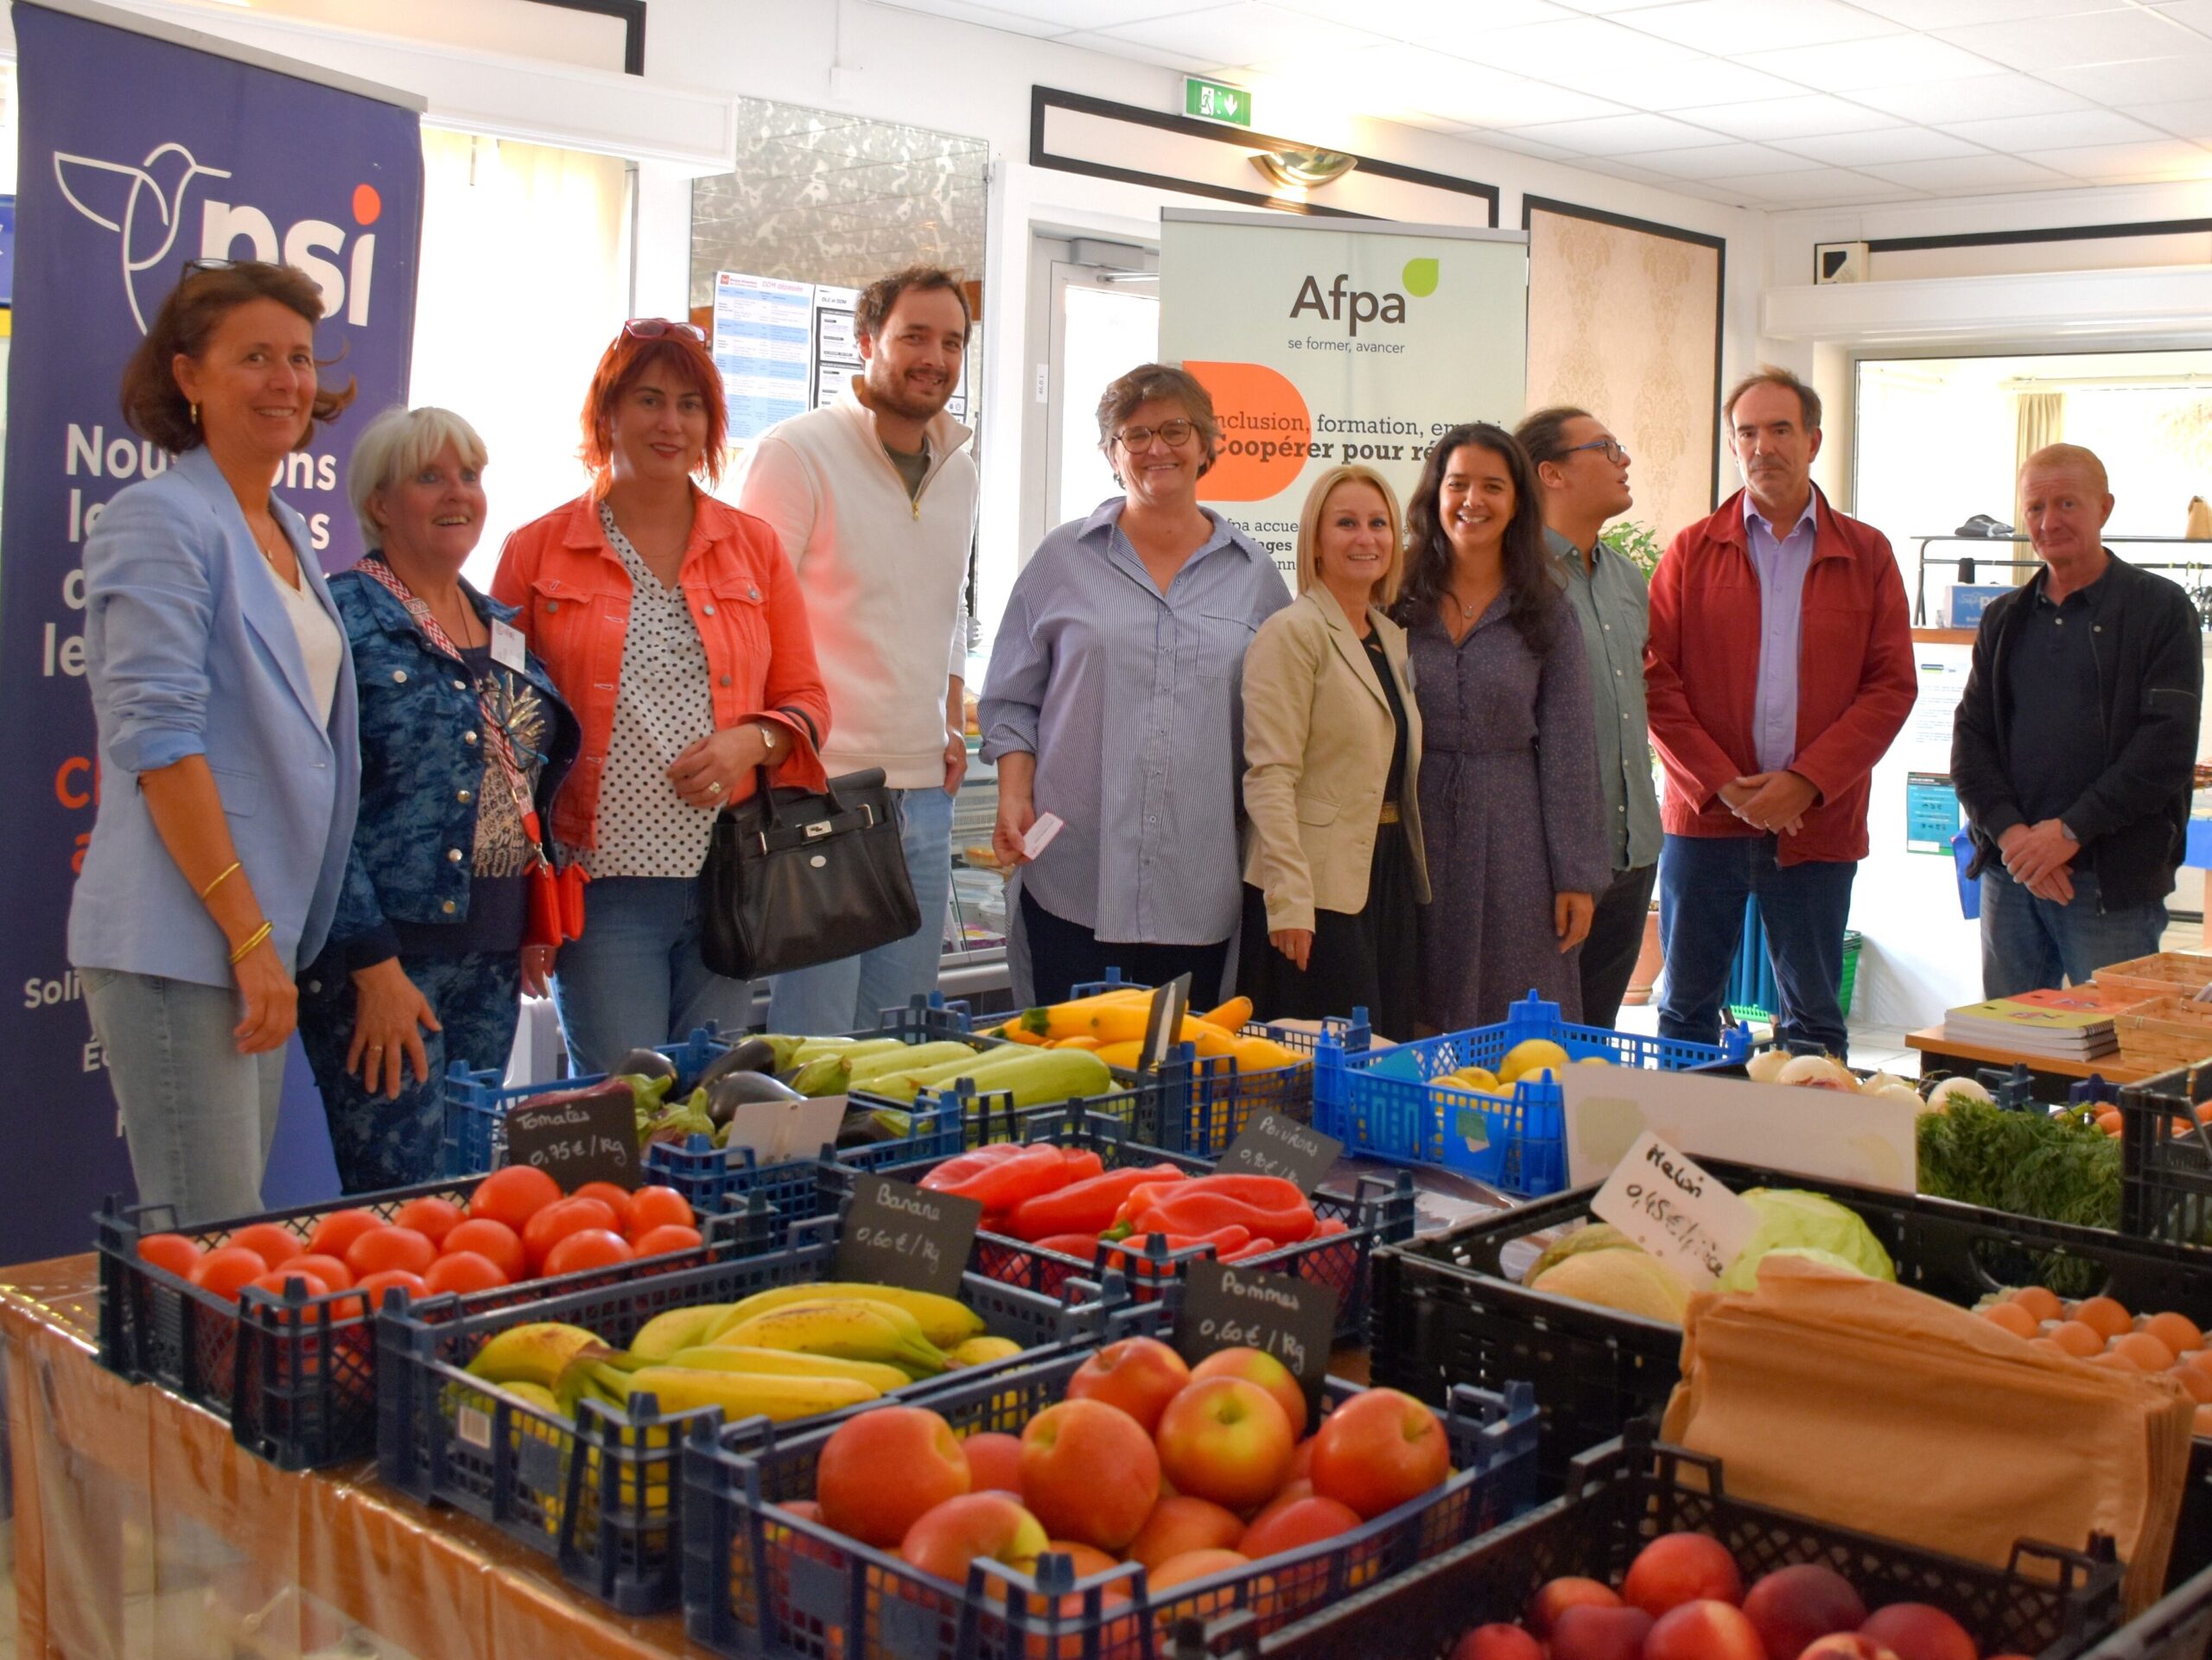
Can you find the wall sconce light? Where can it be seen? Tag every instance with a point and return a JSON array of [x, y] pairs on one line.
[[1303, 170]]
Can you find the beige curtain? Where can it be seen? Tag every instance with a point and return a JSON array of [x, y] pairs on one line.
[[2039, 418]]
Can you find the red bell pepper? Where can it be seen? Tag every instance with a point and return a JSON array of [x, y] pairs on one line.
[[1269, 1207], [1081, 1164], [1006, 1182], [961, 1168], [1138, 1248], [1083, 1246], [1083, 1206]]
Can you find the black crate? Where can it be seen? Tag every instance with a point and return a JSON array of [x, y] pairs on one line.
[[600, 1494], [2179, 1627], [1375, 1211], [2165, 1176], [296, 1380], [2050, 1603], [1450, 1309]]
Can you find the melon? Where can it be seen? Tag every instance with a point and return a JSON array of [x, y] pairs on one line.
[[1626, 1281]]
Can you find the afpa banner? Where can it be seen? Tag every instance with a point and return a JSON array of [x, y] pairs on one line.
[[1323, 341], [138, 153]]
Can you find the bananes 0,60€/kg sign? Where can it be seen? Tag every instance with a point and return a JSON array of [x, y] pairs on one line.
[[1227, 1306], [1676, 1210], [1273, 1145], [588, 1137], [898, 1234]]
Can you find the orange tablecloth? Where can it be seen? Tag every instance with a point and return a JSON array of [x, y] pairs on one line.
[[141, 1530]]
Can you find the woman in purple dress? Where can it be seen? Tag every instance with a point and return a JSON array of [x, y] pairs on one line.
[[1509, 805]]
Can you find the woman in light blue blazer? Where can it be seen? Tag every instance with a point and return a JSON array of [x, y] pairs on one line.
[[230, 770]]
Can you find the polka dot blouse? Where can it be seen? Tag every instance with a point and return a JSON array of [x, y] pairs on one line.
[[664, 705]]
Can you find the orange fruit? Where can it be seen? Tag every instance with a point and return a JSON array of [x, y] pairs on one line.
[[589, 1249], [616, 1199], [2109, 1120], [273, 1245], [228, 1271], [655, 1208], [2041, 1303], [2204, 1112], [385, 1248], [495, 1241], [2144, 1351], [557, 1221], [2010, 1316], [434, 1219], [2177, 1331], [465, 1271], [328, 1270], [170, 1252], [2079, 1340], [2105, 1316], [2049, 1347], [2115, 1360], [2197, 1381], [336, 1232], [513, 1195], [2202, 1359], [668, 1237]]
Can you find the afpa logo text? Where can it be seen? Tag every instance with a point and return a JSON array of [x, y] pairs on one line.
[[146, 207], [1344, 304]]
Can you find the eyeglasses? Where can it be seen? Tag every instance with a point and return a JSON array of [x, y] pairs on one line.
[[653, 328], [194, 267], [1615, 451], [1174, 434]]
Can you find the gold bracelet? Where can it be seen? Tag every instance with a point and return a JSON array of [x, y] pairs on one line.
[[252, 940], [221, 876]]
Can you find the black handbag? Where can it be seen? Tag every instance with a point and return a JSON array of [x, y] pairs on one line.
[[793, 879]]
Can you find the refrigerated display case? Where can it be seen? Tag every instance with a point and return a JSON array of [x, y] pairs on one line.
[[974, 964]]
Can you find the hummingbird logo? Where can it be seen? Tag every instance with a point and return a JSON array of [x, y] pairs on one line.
[[142, 205]]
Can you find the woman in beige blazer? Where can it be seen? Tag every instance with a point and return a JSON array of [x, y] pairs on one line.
[[1333, 869]]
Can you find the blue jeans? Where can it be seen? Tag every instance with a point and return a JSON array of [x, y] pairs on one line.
[[636, 977], [850, 993], [1703, 883], [2027, 942], [198, 1114]]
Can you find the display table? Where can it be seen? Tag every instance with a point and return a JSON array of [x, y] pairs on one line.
[[142, 1530], [2052, 1076]]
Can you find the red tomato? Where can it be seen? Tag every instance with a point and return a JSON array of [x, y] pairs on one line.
[[434, 1219], [557, 1221], [495, 1241], [228, 1271], [277, 1279], [328, 1270], [170, 1252], [463, 1271], [513, 1195], [273, 1245], [371, 1287], [656, 1207], [668, 1237], [616, 1199], [334, 1235], [591, 1248], [380, 1248]]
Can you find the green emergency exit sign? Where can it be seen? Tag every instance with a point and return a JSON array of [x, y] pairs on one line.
[[1211, 101]]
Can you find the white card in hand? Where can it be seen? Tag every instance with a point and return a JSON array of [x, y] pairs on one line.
[[1047, 825]]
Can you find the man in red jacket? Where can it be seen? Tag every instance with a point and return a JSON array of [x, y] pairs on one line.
[[1778, 671]]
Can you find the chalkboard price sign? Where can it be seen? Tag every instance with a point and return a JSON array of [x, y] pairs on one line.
[[1273, 1145], [1227, 1307], [591, 1136], [898, 1234]]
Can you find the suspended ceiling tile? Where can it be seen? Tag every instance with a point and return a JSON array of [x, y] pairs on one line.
[[2060, 130], [2034, 45], [1733, 27], [1704, 81], [1245, 32], [1968, 173], [1620, 135], [1977, 98], [1808, 114], [2188, 119], [1890, 144], [1730, 160], [2172, 158], [1884, 60]]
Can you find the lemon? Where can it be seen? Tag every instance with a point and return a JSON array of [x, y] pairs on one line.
[[1528, 1056]]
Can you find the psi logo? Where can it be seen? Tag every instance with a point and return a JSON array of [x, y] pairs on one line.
[[145, 205]]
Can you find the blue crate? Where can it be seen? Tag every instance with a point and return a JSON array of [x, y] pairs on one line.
[[1382, 1105], [600, 1494], [759, 1581]]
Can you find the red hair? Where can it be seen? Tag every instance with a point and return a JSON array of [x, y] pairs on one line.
[[626, 362]]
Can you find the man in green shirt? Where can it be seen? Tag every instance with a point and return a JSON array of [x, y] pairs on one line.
[[1583, 471]]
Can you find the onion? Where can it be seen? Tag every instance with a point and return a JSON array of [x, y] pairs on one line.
[[1941, 1092], [1818, 1072], [1766, 1067]]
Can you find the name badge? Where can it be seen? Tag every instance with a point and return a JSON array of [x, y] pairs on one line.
[[507, 648]]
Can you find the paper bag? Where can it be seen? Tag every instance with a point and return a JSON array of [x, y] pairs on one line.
[[1878, 1408]]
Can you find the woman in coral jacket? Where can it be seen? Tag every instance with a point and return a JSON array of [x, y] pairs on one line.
[[674, 628]]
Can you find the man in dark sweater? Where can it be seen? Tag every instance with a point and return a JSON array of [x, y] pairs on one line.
[[2075, 745]]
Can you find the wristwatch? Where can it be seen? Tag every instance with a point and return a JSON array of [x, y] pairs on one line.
[[767, 731], [2066, 831]]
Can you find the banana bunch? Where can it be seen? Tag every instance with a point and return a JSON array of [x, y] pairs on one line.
[[536, 1353]]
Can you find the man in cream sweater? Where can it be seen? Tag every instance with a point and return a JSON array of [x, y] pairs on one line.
[[873, 498]]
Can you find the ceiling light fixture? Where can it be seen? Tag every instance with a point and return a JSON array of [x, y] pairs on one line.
[[1303, 170]]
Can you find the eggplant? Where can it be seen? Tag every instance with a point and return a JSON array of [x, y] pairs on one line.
[[735, 1089], [755, 1055], [644, 1062]]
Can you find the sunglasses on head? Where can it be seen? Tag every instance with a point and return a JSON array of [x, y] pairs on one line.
[[653, 328]]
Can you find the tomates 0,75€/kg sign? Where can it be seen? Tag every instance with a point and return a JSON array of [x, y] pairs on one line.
[[1229, 1306], [590, 1135], [898, 1234]]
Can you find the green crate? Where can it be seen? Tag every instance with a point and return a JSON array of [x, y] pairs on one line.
[[1846, 983]]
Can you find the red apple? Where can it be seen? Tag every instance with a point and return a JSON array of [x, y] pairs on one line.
[[995, 1462], [882, 1469], [1089, 1472], [1918, 1632], [1181, 1524], [1497, 1643], [1300, 1523], [1792, 1606], [1141, 1375], [1258, 1366], [1704, 1630], [1378, 1450], [1555, 1597], [1588, 1631], [1227, 1440], [1165, 1580], [949, 1536], [1679, 1568], [1845, 1645]]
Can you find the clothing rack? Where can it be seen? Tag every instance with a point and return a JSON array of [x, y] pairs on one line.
[[2201, 592]]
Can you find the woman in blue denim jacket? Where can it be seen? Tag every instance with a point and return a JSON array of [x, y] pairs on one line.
[[461, 734]]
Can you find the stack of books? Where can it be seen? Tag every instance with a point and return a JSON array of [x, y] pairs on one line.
[[2074, 1024]]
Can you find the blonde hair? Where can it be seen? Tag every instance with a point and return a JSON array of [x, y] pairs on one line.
[[2065, 455], [1309, 532], [400, 442]]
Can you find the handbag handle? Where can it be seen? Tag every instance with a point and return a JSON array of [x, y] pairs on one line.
[[765, 793]]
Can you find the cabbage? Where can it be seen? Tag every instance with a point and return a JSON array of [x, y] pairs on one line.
[[1815, 1254], [1790, 1217]]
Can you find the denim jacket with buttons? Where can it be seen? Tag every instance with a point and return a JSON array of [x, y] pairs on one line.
[[424, 762]]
